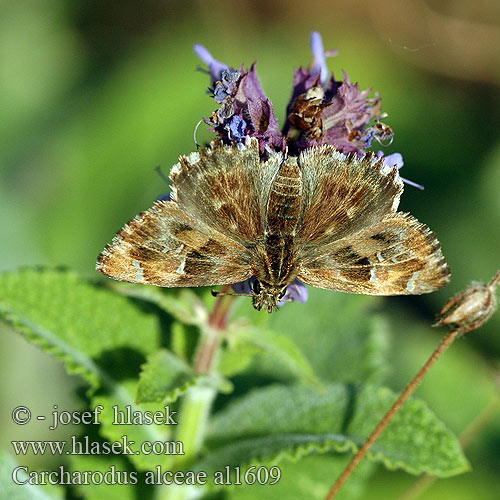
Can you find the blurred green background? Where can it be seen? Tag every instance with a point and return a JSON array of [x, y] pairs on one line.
[[95, 94]]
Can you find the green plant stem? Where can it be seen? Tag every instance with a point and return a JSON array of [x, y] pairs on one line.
[[197, 402], [386, 419]]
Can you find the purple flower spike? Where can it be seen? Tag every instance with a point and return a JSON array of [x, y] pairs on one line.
[[319, 57], [215, 67]]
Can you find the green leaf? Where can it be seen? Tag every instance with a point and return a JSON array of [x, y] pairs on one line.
[[184, 305], [81, 324], [343, 340], [278, 347], [12, 491], [311, 478], [236, 357], [164, 377], [279, 422], [114, 431]]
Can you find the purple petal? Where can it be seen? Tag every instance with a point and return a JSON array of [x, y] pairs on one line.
[[220, 93], [237, 128], [251, 101], [394, 159], [164, 197], [214, 66], [319, 57], [230, 79], [411, 183], [296, 291], [244, 286]]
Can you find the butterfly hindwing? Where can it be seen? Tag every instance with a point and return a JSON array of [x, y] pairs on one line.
[[396, 256], [163, 246]]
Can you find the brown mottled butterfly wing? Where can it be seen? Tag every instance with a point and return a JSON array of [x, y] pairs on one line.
[[226, 188], [164, 247], [352, 239], [347, 234], [343, 195], [205, 235]]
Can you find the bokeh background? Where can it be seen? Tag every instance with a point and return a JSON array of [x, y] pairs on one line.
[[94, 95]]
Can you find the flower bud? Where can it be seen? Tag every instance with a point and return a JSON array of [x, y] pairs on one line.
[[470, 308]]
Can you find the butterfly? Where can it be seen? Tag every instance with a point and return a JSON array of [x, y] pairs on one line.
[[325, 218]]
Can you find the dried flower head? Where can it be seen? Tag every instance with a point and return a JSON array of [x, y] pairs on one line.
[[470, 308]]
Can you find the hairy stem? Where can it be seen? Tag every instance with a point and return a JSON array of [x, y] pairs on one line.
[[386, 419], [207, 353]]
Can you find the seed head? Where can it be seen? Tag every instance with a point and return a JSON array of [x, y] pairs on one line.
[[470, 308]]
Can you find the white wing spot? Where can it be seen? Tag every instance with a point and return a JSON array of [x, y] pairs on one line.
[[411, 282], [180, 269], [193, 158], [179, 250], [165, 250], [373, 276], [379, 257], [136, 263]]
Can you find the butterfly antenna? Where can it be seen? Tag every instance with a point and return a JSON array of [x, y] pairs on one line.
[[385, 143], [195, 132], [161, 174]]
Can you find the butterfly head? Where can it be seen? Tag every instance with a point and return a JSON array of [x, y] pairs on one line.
[[266, 296]]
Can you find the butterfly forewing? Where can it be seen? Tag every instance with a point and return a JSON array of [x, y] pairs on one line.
[[165, 247], [226, 188]]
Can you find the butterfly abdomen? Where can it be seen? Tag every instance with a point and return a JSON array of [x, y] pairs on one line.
[[285, 199], [283, 210]]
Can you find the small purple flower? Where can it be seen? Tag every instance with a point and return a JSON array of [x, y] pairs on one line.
[[296, 291], [228, 85], [244, 287], [323, 110], [215, 67], [319, 58], [396, 159], [237, 128], [240, 94]]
